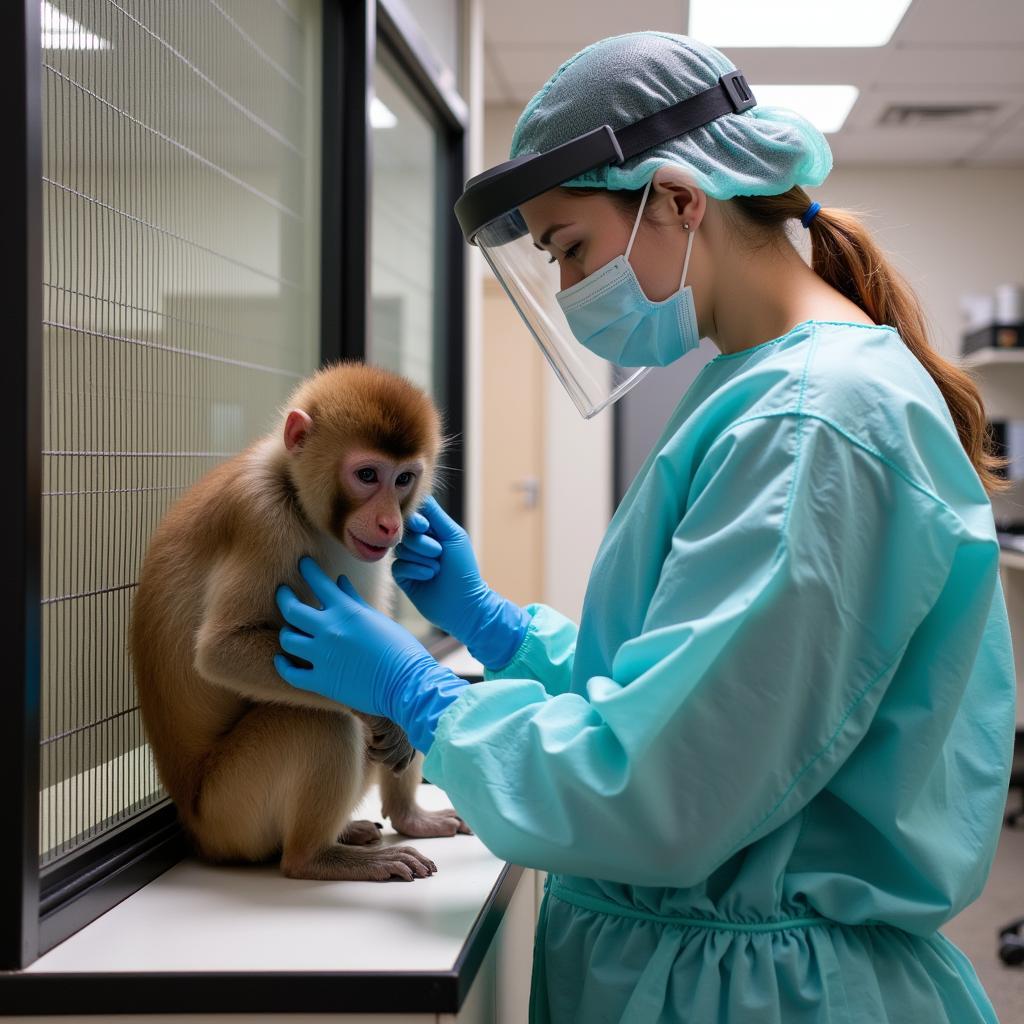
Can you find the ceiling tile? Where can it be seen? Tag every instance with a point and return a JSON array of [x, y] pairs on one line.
[[1004, 145], [1008, 152], [496, 88], [944, 66], [944, 51], [902, 145], [839, 65], [526, 68], [872, 104], [998, 23], [493, 90], [577, 22]]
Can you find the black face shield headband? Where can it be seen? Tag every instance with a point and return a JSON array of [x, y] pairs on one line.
[[501, 189]]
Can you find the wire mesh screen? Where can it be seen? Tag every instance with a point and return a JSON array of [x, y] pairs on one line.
[[181, 298]]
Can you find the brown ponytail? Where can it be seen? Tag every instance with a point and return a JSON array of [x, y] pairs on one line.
[[844, 255]]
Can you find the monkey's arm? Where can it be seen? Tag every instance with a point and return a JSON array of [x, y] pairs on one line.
[[235, 648], [235, 655], [238, 637]]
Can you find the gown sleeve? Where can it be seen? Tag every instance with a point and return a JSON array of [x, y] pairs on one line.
[[546, 653], [791, 587]]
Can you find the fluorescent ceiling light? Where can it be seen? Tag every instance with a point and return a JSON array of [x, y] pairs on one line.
[[795, 22], [381, 115], [63, 33], [825, 106]]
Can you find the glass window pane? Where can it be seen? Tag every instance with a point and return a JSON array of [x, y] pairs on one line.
[[404, 246], [403, 232], [181, 299]]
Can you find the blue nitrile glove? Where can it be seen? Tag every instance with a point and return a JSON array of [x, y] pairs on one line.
[[435, 566], [362, 658]]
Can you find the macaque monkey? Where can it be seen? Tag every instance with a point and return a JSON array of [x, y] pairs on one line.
[[259, 769]]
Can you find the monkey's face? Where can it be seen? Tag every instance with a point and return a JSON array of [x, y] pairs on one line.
[[362, 447], [374, 496]]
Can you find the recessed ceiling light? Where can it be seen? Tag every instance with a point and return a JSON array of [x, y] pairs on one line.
[[825, 106], [381, 115], [63, 33], [795, 22]]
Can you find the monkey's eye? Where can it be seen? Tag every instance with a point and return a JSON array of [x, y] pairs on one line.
[[367, 475], [404, 479]]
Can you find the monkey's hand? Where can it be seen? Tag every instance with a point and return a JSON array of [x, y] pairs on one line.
[[388, 744]]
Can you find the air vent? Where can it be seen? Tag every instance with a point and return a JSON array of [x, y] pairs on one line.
[[940, 115]]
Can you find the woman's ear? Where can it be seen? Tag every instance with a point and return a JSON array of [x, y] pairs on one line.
[[680, 200]]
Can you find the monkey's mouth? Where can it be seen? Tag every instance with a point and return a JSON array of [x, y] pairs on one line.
[[367, 552]]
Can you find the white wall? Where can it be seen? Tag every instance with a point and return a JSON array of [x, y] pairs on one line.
[[577, 496], [949, 230]]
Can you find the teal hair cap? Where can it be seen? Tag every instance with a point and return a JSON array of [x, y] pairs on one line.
[[619, 80]]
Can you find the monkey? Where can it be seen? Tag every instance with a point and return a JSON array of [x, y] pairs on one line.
[[260, 770]]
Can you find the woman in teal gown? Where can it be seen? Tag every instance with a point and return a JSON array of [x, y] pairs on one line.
[[772, 760]]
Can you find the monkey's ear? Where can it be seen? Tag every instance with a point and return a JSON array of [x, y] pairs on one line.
[[296, 427]]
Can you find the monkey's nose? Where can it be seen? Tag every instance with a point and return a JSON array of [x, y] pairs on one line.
[[389, 527]]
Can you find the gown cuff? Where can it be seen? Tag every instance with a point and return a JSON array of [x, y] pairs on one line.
[[548, 633], [532, 659]]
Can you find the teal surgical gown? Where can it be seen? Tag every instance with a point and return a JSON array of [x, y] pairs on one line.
[[773, 759]]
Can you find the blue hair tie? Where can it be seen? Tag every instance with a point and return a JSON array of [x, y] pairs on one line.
[[812, 212]]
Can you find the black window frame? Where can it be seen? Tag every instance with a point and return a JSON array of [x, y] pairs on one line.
[[41, 907]]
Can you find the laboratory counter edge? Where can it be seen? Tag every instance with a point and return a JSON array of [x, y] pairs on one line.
[[244, 939], [189, 992]]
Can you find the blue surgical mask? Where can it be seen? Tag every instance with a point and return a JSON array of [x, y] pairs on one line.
[[609, 313]]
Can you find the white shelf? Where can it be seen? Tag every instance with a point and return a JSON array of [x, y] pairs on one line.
[[999, 373], [1011, 559], [984, 357]]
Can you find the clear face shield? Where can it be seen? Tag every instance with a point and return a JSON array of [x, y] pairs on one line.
[[489, 215], [532, 283]]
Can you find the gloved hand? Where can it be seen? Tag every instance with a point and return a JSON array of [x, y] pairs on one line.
[[435, 566], [362, 658]]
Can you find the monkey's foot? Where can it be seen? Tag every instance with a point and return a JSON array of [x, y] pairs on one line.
[[360, 833], [359, 864], [421, 824]]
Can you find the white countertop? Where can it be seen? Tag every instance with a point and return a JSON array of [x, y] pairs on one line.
[[196, 917], [462, 663]]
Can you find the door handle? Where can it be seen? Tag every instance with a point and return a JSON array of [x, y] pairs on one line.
[[529, 487]]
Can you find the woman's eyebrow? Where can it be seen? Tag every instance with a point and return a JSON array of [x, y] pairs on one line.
[[545, 239]]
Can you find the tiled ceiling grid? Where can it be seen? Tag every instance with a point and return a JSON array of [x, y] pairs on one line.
[[944, 52]]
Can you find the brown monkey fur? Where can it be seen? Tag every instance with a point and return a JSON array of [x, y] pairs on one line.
[[257, 768]]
